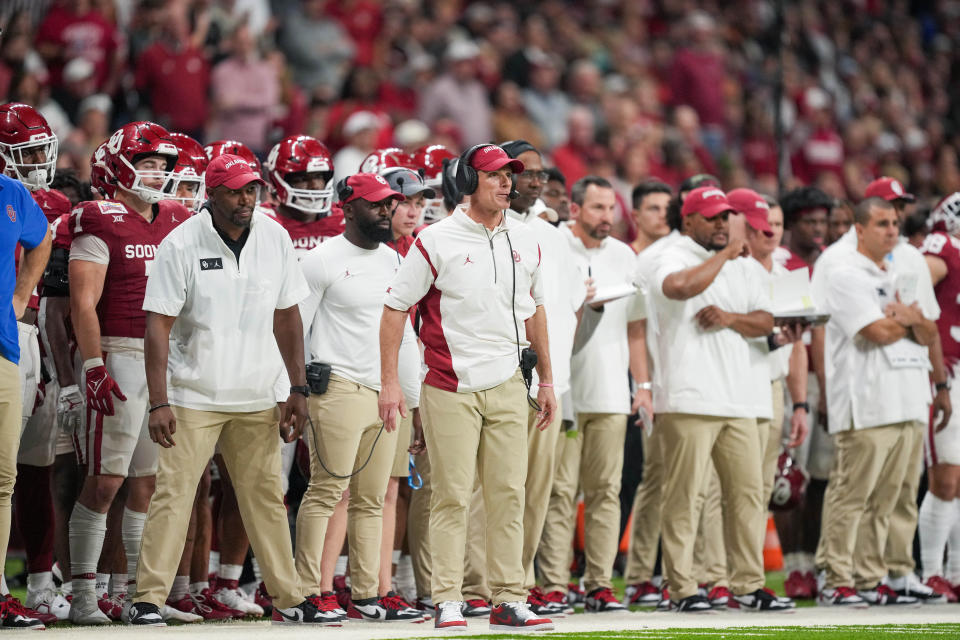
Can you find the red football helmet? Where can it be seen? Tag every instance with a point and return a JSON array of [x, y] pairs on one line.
[[790, 484], [101, 178], [133, 142], [24, 136], [382, 159], [234, 148], [946, 215], [429, 158], [191, 163], [301, 154]]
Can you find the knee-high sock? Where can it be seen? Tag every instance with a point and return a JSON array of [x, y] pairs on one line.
[[132, 531], [937, 518], [87, 530]]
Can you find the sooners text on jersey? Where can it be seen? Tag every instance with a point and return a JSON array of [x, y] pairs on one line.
[[132, 242], [307, 235]]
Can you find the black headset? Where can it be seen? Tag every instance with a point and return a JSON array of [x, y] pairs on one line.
[[467, 178], [344, 190]]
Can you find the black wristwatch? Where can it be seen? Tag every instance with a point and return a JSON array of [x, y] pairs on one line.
[[940, 386], [802, 405], [304, 391]]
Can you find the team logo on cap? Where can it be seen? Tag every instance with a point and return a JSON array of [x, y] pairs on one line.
[[380, 179], [712, 193], [761, 204], [896, 187], [11, 213], [233, 162]]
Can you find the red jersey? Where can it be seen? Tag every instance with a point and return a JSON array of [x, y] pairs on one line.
[[947, 248], [307, 235], [53, 203], [132, 244]]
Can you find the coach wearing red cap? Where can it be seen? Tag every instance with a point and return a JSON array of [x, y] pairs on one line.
[[221, 298], [477, 278], [707, 307], [892, 191]]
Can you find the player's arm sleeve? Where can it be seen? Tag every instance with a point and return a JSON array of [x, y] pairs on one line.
[[34, 228], [294, 287], [667, 266], [417, 273], [850, 302], [90, 248], [166, 290]]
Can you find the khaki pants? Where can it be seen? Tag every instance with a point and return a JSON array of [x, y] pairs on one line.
[[418, 527], [556, 542], [250, 446], [709, 552], [346, 424], [867, 476], [770, 443], [10, 421], [475, 585], [469, 434], [898, 553], [688, 443], [401, 456], [541, 451], [645, 527]]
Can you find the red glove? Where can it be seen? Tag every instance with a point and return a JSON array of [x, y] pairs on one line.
[[100, 387]]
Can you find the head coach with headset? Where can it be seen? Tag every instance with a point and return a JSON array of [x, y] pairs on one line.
[[477, 278]]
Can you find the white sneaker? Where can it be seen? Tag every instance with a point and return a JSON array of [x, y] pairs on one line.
[[234, 598], [169, 614], [85, 609], [912, 587], [49, 600], [450, 616]]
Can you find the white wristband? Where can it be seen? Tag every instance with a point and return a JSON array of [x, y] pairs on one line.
[[645, 386], [92, 362]]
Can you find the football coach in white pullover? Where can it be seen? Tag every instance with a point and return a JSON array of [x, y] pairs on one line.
[[477, 278]]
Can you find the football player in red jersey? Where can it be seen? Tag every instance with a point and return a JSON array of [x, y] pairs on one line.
[[939, 520], [430, 159], [381, 159], [114, 242], [191, 163], [28, 153], [299, 170]]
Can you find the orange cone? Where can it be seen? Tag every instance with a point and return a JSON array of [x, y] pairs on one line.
[[772, 554]]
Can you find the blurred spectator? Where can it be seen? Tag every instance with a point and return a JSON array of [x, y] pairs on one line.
[[79, 82], [915, 228], [360, 130], [458, 95], [555, 196], [698, 75], [93, 127], [173, 75], [575, 157], [245, 92], [360, 93], [317, 48], [363, 20], [821, 150], [74, 29], [410, 135], [510, 119], [546, 104]]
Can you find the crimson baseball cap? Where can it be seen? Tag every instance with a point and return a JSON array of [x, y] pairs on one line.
[[889, 189], [754, 208], [232, 171], [707, 201], [493, 158], [371, 187]]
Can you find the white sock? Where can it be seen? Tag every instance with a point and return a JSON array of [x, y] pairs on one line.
[[791, 562], [230, 572], [102, 584], [197, 587], [181, 586], [3, 585], [118, 586], [937, 518], [214, 561], [258, 577], [86, 532], [131, 530], [38, 581], [807, 562], [953, 550], [341, 568]]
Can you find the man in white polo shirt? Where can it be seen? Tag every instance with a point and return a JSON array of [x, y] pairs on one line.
[[221, 298], [708, 304], [878, 398], [349, 445], [477, 278]]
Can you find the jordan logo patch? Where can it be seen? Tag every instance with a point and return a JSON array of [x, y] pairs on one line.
[[206, 264]]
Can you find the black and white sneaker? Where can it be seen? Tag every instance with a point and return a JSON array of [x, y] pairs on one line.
[[884, 596], [601, 600], [910, 586], [387, 609], [13, 615], [761, 600], [145, 614], [476, 608], [305, 613], [692, 604]]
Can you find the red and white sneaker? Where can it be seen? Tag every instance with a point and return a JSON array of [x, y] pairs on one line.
[[643, 594], [602, 600], [665, 603], [13, 615], [476, 608], [841, 597], [199, 604], [883, 595], [538, 604], [719, 597], [112, 606], [450, 616], [797, 586], [327, 606], [228, 593], [516, 616], [940, 586], [559, 600], [263, 599], [576, 595]]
